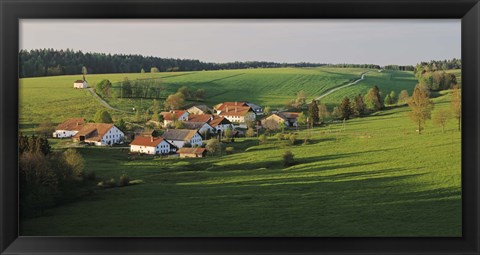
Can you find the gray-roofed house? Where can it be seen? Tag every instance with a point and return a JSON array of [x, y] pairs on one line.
[[179, 137]]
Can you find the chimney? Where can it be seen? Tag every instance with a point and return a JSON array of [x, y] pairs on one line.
[[235, 102], [78, 123], [151, 138], [227, 108]]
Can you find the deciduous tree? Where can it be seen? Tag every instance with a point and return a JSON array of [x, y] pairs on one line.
[[441, 118], [421, 107]]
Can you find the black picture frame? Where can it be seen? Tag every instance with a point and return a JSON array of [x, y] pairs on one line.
[[466, 10]]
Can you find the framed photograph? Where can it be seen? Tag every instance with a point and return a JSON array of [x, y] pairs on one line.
[[346, 127]]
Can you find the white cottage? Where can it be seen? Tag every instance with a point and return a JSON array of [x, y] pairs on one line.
[[80, 84], [69, 128], [151, 145], [174, 115], [179, 137], [100, 134]]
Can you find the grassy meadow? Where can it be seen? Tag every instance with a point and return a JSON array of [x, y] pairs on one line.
[[372, 176]]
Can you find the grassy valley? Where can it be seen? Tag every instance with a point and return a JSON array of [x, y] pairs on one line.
[[369, 176]]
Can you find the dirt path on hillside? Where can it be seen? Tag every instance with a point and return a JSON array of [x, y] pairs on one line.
[[103, 102], [328, 92]]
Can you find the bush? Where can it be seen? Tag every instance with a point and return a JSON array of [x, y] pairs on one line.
[[262, 138], [292, 139], [288, 159], [229, 150], [124, 180], [279, 136]]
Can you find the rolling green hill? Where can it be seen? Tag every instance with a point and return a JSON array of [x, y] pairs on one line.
[[372, 176]]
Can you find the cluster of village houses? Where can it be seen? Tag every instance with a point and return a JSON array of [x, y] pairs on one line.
[[198, 121]]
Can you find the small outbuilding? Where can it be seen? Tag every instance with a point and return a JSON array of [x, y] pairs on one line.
[[80, 84], [192, 152]]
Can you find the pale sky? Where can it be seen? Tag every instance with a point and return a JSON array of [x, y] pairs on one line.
[[380, 42]]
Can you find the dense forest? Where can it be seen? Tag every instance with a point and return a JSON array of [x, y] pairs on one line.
[[50, 62]]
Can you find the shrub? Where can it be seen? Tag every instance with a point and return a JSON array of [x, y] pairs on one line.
[[288, 159], [124, 180], [229, 150], [262, 138], [292, 139], [279, 136], [250, 132]]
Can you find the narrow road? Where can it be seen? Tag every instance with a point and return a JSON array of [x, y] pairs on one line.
[[328, 92], [103, 102]]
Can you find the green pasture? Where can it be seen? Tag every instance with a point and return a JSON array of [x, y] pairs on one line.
[[55, 98], [372, 176], [386, 81]]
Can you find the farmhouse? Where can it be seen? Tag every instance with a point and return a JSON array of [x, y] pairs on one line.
[[80, 84], [179, 137], [222, 106], [199, 109], [99, 134], [174, 115], [237, 114], [151, 145], [201, 127], [192, 152], [289, 118], [69, 128], [220, 124]]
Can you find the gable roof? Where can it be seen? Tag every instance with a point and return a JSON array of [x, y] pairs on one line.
[[235, 111], [199, 118], [218, 121], [222, 106], [79, 81], [194, 125], [186, 150], [169, 115], [147, 141], [202, 107], [94, 131], [179, 134], [290, 115], [72, 124]]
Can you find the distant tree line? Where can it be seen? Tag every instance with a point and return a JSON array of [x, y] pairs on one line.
[[399, 68], [438, 65], [50, 62], [371, 66]]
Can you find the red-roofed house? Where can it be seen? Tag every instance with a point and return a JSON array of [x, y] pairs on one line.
[[69, 128], [174, 115], [151, 145], [80, 84], [221, 124], [237, 114]]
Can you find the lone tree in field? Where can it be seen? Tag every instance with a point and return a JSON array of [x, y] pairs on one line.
[[345, 109], [373, 99], [323, 112], [154, 70], [84, 70], [174, 101], [403, 97], [441, 118], [421, 107], [102, 116], [313, 115], [456, 105], [288, 159], [359, 107], [142, 71]]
